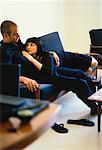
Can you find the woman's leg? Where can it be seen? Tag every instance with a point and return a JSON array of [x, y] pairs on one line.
[[77, 73], [77, 61], [78, 86]]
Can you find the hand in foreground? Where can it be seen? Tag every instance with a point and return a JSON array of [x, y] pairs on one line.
[[32, 85]]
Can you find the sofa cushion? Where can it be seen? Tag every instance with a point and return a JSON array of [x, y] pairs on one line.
[[46, 91]]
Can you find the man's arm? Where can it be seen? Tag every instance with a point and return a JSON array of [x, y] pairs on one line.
[[31, 84], [57, 60]]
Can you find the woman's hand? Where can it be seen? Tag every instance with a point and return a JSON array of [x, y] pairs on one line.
[[32, 85], [28, 56]]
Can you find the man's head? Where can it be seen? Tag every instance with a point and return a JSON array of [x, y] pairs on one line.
[[9, 31]]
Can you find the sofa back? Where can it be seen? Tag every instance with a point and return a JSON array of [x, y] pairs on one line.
[[9, 79], [52, 42]]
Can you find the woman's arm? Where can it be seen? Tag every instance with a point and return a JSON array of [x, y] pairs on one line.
[[36, 63], [46, 66]]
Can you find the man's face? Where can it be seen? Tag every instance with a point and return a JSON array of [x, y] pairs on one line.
[[13, 36]]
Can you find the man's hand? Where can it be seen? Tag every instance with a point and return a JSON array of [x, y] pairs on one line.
[[31, 84], [57, 60]]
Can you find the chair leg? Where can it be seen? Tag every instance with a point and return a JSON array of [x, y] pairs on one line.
[[37, 94], [99, 116]]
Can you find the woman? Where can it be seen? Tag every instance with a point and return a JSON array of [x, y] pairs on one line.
[[72, 79], [42, 61]]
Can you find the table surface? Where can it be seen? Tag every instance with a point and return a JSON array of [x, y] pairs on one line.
[[97, 96], [29, 132]]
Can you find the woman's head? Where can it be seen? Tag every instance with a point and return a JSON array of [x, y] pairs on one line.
[[33, 46]]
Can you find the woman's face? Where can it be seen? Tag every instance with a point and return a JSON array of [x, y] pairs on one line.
[[31, 48]]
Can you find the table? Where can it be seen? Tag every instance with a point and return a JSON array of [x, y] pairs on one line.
[[97, 97], [29, 132]]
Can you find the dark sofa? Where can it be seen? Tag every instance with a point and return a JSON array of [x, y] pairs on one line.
[[50, 42]]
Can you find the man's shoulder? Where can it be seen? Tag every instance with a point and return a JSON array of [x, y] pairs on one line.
[[0, 47], [1, 43]]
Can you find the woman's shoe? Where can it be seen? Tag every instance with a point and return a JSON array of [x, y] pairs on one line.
[[59, 128], [83, 122], [93, 111]]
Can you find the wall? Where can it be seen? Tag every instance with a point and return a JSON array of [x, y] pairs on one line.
[[71, 18]]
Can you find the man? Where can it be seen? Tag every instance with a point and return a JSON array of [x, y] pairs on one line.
[[9, 38], [11, 52]]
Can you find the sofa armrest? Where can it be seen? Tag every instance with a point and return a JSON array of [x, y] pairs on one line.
[[26, 93], [9, 79]]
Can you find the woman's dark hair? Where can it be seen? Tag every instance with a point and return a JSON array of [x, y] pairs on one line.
[[38, 42]]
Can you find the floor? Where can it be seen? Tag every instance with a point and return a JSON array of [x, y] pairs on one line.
[[78, 137]]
